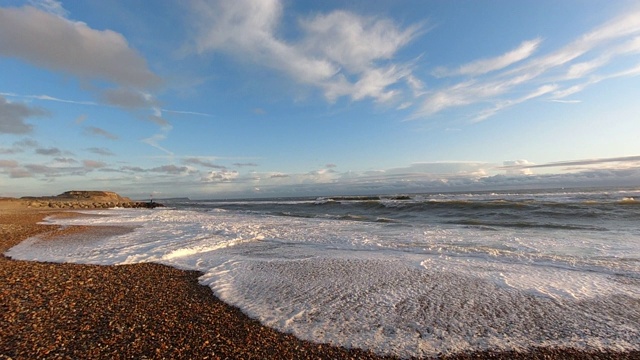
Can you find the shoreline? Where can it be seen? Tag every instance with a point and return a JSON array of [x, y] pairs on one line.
[[147, 310]]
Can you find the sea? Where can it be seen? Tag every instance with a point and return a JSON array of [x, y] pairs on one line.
[[401, 274]]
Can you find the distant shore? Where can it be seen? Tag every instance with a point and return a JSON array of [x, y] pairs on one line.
[[144, 310]]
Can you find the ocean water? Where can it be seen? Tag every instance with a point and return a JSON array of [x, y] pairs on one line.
[[408, 275]]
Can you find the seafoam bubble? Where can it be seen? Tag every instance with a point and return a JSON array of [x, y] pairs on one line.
[[405, 291]]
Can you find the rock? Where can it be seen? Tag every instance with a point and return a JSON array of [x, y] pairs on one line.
[[76, 199]]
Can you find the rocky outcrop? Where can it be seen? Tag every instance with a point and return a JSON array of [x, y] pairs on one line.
[[101, 196], [87, 200]]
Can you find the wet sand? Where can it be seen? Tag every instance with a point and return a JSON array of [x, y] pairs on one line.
[[69, 311]]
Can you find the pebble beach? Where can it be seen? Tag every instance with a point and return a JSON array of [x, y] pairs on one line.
[[152, 311]]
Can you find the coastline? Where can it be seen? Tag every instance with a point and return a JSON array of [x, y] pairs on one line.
[[145, 310]]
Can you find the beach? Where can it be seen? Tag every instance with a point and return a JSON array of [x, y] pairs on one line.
[[147, 310]]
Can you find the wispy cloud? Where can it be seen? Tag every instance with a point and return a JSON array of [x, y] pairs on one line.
[[49, 151], [154, 140], [201, 162], [187, 112], [501, 80], [50, 6], [483, 66], [341, 53], [623, 161], [543, 90]]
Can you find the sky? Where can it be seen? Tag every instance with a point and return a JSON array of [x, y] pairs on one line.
[[269, 98]]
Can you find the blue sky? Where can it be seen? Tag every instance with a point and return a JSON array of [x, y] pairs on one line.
[[216, 99]]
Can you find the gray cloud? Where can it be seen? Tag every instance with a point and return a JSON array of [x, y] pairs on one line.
[[158, 120], [8, 151], [276, 176], [66, 160], [39, 37], [128, 98], [19, 173], [19, 146], [136, 169], [171, 169], [40, 169], [14, 115], [49, 151], [26, 143], [92, 130], [244, 164], [101, 151], [200, 162]]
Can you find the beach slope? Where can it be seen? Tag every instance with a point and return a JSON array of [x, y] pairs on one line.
[[147, 310]]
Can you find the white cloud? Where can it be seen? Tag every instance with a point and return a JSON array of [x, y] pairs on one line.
[[483, 66], [50, 6], [353, 41], [517, 167], [488, 80], [341, 53], [220, 176], [622, 162], [154, 140], [545, 89]]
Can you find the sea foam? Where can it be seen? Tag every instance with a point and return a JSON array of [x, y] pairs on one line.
[[406, 291]]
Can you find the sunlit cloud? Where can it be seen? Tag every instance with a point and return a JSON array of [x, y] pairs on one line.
[[335, 47], [483, 66], [220, 176], [543, 90], [92, 164], [498, 80]]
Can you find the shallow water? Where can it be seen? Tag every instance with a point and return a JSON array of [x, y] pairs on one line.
[[405, 275]]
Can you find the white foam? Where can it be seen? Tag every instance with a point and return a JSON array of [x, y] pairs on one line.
[[395, 290]]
